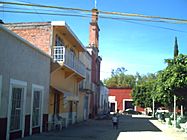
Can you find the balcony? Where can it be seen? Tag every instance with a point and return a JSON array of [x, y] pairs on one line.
[[85, 86], [94, 88], [65, 57]]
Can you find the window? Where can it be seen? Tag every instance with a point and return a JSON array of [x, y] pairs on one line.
[[15, 119], [58, 53], [36, 106], [16, 113], [72, 57], [58, 41]]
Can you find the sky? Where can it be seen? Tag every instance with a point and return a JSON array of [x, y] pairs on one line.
[[138, 46]]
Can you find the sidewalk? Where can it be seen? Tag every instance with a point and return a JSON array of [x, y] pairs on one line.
[[169, 130]]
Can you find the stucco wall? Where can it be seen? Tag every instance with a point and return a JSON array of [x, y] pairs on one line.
[[103, 101], [20, 62], [59, 81], [120, 95]]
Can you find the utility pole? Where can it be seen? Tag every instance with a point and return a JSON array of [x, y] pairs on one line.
[[174, 111], [153, 111]]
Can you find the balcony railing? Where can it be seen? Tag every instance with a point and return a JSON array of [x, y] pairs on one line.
[[63, 55], [85, 85], [94, 88]]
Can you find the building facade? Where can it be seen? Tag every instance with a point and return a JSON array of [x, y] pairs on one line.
[[103, 101], [121, 99], [59, 41], [85, 88], [24, 86]]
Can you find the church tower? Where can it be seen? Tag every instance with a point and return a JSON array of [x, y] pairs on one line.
[[93, 49], [94, 29]]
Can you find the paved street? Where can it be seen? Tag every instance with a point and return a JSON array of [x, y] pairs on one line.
[[134, 128]]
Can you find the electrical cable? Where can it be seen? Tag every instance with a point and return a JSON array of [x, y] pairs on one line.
[[104, 17], [102, 12]]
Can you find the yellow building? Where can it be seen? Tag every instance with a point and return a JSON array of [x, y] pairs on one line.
[[66, 73], [58, 40]]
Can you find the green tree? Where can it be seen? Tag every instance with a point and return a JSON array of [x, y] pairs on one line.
[[176, 49], [119, 79], [173, 79], [144, 90]]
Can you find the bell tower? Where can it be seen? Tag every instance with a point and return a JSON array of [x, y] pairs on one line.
[[94, 30]]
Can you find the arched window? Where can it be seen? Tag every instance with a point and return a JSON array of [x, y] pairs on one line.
[[59, 41], [59, 50]]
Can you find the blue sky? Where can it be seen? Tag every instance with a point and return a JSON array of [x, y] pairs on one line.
[[137, 46]]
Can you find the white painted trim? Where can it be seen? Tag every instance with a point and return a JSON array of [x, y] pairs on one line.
[[124, 102], [135, 108], [0, 90], [40, 88], [116, 104], [18, 82], [21, 84]]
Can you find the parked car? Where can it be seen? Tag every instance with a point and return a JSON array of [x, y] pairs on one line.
[[131, 111], [161, 113], [162, 110]]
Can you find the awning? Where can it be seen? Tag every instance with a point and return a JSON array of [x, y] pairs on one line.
[[68, 96]]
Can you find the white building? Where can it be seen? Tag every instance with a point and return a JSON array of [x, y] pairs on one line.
[[103, 102]]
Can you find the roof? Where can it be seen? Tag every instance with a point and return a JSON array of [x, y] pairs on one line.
[[68, 30], [61, 25], [23, 40]]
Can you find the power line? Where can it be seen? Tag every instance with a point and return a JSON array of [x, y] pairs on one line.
[[24, 12], [46, 6], [144, 16], [45, 10], [115, 15], [88, 16], [176, 20], [101, 16]]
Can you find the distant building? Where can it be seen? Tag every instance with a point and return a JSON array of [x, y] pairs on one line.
[[103, 102], [121, 99], [24, 86]]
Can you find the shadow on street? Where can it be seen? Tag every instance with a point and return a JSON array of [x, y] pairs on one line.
[[132, 124], [98, 129]]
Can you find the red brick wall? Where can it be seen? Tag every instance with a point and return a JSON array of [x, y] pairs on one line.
[[94, 34], [120, 95], [140, 109], [39, 37]]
